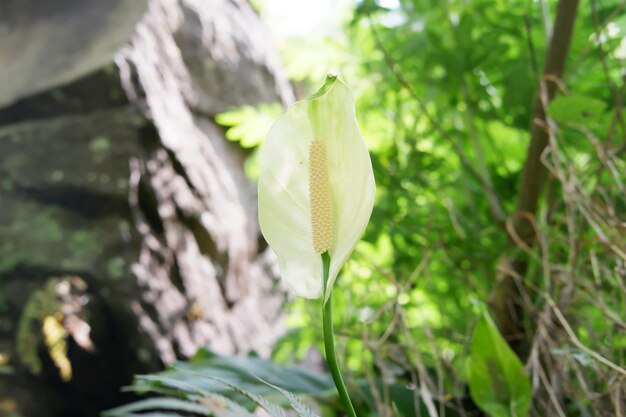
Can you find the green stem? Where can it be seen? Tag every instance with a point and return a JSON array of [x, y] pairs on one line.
[[329, 342]]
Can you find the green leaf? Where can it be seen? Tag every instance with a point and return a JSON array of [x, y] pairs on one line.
[[171, 404], [153, 414], [224, 407], [242, 371], [296, 404], [498, 383], [206, 405], [208, 373], [238, 379], [577, 108], [209, 405], [249, 125], [259, 400]]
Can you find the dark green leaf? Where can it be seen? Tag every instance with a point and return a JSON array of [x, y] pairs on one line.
[[498, 383], [165, 403]]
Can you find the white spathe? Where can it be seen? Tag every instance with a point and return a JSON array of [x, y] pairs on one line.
[[284, 201]]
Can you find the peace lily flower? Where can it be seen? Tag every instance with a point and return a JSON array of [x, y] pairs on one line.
[[316, 187]]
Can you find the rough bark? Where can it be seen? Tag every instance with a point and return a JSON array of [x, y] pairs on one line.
[[508, 300], [116, 183]]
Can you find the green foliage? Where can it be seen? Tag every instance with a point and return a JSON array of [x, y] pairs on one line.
[[295, 402], [249, 125], [497, 381], [211, 385], [577, 109], [445, 95], [244, 372], [241, 383], [43, 302], [211, 405], [254, 382]]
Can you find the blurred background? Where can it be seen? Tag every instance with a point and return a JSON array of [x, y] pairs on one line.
[[129, 239]]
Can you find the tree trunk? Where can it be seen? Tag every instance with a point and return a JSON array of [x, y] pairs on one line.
[[508, 301], [129, 230]]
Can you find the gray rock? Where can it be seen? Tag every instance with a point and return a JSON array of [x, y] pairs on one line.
[[113, 170], [44, 44]]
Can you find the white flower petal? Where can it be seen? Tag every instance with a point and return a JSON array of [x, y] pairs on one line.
[[350, 170], [284, 207], [284, 201]]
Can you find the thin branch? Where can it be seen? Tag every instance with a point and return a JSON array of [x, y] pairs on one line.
[[534, 172], [579, 344], [509, 304]]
